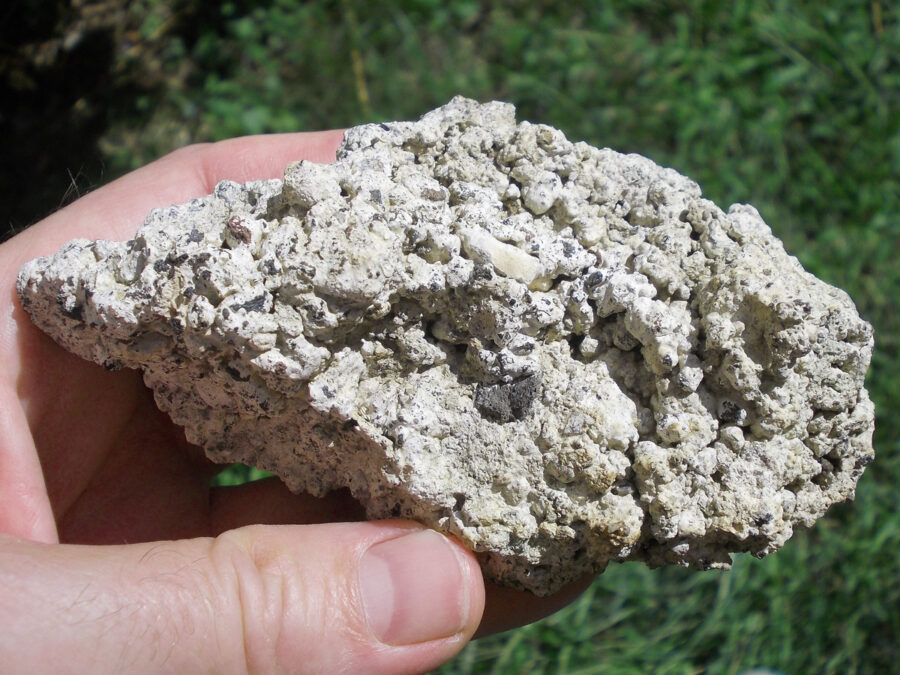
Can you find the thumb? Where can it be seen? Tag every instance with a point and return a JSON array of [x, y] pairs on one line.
[[386, 597]]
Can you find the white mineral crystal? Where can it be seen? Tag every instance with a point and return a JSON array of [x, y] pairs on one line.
[[561, 355]]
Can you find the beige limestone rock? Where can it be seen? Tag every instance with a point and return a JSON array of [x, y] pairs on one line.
[[561, 355]]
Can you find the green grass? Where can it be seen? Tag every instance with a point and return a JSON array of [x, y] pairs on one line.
[[792, 106]]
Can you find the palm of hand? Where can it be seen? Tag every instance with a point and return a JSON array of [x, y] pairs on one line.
[[115, 469]]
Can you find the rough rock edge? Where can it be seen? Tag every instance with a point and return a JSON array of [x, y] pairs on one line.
[[562, 355]]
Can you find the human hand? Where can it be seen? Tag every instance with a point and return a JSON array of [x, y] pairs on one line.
[[239, 578]]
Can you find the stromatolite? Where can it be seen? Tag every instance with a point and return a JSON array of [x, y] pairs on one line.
[[562, 355]]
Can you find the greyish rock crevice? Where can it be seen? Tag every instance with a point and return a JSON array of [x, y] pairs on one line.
[[561, 355]]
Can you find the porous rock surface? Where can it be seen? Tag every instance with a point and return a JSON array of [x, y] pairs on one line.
[[562, 355]]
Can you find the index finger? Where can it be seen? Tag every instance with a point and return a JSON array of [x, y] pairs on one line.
[[116, 210]]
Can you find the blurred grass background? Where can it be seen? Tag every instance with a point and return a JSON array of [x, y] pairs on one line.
[[791, 106]]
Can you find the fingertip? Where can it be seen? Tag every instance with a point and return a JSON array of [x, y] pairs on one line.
[[475, 585], [507, 608], [396, 576], [247, 158]]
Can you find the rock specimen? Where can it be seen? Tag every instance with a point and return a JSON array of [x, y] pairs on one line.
[[562, 355]]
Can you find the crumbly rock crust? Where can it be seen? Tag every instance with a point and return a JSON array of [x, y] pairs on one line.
[[562, 355]]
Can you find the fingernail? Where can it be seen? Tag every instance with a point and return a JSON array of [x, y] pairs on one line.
[[414, 588]]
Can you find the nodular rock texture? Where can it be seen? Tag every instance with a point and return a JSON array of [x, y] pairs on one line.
[[561, 355]]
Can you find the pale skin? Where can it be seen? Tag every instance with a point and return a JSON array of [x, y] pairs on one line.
[[117, 556]]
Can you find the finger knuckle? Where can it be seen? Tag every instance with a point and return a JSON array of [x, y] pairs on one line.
[[258, 571]]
